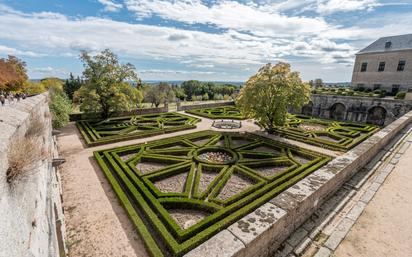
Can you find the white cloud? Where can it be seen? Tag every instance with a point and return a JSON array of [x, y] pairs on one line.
[[333, 6], [251, 18], [110, 6], [5, 50]]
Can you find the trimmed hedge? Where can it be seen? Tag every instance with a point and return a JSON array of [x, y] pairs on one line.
[[149, 208], [338, 135], [111, 130], [225, 112]]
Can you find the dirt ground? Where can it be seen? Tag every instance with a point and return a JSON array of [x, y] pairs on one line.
[[385, 228], [96, 223]]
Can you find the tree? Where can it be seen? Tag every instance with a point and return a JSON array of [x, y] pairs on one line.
[[318, 83], [54, 85], [191, 87], [179, 92], [13, 74], [71, 85], [105, 87], [268, 94], [60, 108], [160, 93]]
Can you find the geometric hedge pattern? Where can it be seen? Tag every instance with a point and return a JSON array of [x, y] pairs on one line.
[[178, 193], [97, 132], [225, 112], [335, 135]]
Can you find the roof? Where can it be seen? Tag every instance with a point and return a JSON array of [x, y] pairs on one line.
[[401, 42]]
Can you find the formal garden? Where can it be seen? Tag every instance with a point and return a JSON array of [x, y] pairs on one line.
[[182, 190], [97, 132], [224, 112], [330, 134]]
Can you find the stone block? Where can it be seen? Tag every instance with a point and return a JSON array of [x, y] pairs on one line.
[[260, 228], [323, 252], [367, 196], [297, 236], [340, 232], [223, 244], [356, 211]]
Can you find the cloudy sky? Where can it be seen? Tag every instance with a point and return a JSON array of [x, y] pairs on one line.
[[225, 40]]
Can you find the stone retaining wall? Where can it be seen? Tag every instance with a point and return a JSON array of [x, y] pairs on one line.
[[141, 111], [261, 232], [205, 105], [31, 217]]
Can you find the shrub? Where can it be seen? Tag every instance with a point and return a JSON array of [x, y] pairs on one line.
[[60, 107], [368, 90], [400, 95], [23, 157], [36, 127]]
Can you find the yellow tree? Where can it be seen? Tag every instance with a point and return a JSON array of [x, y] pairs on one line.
[[269, 94]]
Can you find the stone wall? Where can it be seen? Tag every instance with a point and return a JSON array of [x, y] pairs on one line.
[[380, 111], [205, 105], [140, 111], [31, 217]]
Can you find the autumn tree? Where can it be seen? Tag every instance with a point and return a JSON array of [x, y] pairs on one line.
[[268, 94], [13, 74], [105, 88]]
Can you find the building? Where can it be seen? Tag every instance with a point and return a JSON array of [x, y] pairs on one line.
[[385, 64]]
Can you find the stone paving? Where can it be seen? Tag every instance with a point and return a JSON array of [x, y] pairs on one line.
[[325, 230]]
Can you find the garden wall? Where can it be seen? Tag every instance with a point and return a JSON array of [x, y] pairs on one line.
[[141, 111], [261, 232], [199, 106], [31, 217]]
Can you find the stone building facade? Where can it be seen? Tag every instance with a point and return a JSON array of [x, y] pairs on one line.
[[385, 64]]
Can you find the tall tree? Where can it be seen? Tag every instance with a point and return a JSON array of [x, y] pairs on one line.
[[105, 87], [191, 87], [318, 83], [160, 93], [268, 94], [71, 85]]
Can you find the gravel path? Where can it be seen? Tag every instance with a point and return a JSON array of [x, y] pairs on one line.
[[384, 227]]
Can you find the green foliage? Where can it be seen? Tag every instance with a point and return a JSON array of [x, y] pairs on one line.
[[334, 135], [60, 108], [33, 88], [105, 87], [400, 95], [150, 208], [158, 94], [267, 95], [71, 85], [224, 112], [193, 89], [97, 132]]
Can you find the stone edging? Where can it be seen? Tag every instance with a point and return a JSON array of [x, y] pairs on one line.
[[261, 232]]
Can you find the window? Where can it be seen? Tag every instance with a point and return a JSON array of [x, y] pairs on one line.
[[401, 65], [364, 66], [395, 89], [388, 44], [381, 66], [376, 86]]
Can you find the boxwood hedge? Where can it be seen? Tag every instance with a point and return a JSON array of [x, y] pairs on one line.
[[150, 208], [330, 134], [98, 132], [225, 112]]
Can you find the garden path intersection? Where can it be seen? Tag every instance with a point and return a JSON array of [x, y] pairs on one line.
[[179, 165]]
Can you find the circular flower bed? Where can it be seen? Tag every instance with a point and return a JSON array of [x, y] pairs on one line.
[[216, 157]]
